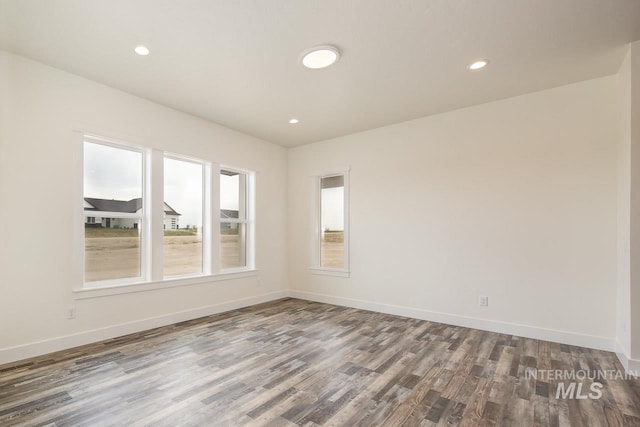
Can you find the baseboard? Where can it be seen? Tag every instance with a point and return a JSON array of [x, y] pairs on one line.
[[12, 354], [564, 337], [631, 366]]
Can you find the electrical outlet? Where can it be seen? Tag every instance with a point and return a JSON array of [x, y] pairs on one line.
[[71, 314], [258, 283], [484, 301]]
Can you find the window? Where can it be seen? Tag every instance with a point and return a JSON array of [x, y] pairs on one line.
[[234, 219], [183, 207], [333, 224], [148, 216], [113, 186]]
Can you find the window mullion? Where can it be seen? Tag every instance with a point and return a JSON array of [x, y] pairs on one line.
[[154, 213], [234, 220], [251, 220], [346, 221], [207, 235], [214, 194]]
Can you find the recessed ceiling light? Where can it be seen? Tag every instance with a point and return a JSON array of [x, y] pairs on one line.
[[478, 64], [294, 121], [142, 50], [320, 57]]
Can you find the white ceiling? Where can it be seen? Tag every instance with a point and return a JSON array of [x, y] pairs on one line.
[[237, 62]]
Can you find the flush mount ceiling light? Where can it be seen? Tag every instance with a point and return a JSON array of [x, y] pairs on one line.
[[294, 121], [320, 57], [142, 50], [478, 64]]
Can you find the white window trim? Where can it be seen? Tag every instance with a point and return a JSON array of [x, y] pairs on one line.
[[119, 287], [324, 271], [152, 277], [250, 262], [316, 267], [207, 249], [146, 237]]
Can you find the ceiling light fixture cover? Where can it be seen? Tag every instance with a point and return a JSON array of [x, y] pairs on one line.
[[478, 64], [142, 50], [320, 57], [294, 121]]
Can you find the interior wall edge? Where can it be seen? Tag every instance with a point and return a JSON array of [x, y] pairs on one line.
[[631, 366]]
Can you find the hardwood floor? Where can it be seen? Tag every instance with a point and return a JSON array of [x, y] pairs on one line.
[[294, 362]]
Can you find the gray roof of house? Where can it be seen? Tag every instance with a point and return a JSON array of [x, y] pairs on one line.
[[227, 213], [170, 211], [124, 206]]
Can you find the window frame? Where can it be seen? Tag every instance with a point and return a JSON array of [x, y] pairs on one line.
[[143, 216], [249, 221], [316, 251], [152, 227], [206, 215]]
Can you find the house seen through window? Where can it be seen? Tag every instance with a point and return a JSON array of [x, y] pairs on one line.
[[183, 217], [120, 223], [113, 206]]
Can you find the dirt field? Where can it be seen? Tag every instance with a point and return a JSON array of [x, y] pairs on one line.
[[182, 255], [333, 249], [118, 256], [230, 251], [111, 258], [115, 254]]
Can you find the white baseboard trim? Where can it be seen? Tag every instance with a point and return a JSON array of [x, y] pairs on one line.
[[564, 337], [25, 351], [631, 366]]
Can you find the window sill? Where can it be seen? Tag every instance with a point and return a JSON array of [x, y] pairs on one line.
[[103, 291], [330, 272]]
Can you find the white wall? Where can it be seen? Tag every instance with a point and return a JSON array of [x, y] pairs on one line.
[[40, 107], [623, 313], [521, 200], [514, 199], [634, 139], [628, 289]]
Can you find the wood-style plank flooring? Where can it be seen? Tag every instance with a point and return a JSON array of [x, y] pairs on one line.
[[294, 362]]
